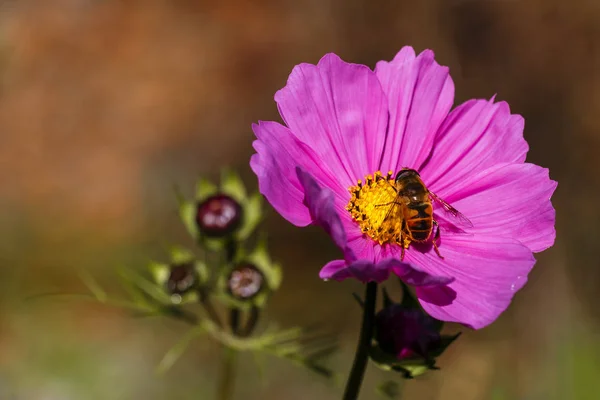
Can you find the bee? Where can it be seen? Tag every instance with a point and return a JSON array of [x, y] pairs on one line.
[[413, 205]]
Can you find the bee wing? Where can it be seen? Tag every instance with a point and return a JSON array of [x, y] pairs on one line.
[[449, 210], [392, 214]]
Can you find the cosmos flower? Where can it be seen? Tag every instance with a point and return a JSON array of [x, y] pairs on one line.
[[348, 125]]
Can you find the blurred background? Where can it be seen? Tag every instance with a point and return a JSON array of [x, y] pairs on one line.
[[105, 105]]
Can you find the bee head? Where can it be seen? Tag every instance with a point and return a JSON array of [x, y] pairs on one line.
[[406, 172]]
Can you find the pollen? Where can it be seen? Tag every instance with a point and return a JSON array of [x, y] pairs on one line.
[[374, 206]]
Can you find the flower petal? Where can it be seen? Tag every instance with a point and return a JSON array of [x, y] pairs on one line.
[[512, 201], [340, 111], [363, 270], [488, 271], [420, 94], [476, 135], [320, 202], [279, 152], [414, 276], [366, 271]]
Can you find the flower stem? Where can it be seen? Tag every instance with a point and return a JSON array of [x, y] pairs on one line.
[[362, 350], [227, 373], [229, 355]]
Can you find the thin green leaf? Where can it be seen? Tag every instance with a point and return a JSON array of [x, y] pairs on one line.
[[134, 293], [148, 287], [93, 286], [178, 349]]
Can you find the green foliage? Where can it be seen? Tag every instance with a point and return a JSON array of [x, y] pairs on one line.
[[177, 288]]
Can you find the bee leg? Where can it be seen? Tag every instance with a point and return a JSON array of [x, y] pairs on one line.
[[402, 248], [436, 238], [402, 252]]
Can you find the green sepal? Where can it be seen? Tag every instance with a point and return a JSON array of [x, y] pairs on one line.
[[187, 214], [409, 300], [412, 371], [203, 272], [414, 366], [232, 185], [359, 300], [204, 189], [445, 341], [252, 216], [272, 271], [387, 301], [410, 367], [181, 255], [160, 272]]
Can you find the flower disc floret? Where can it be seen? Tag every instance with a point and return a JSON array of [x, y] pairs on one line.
[[369, 206]]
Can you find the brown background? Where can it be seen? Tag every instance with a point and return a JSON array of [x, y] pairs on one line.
[[106, 104]]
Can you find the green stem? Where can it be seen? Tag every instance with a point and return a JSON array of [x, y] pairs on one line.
[[251, 321], [229, 355], [364, 342], [209, 308], [227, 376]]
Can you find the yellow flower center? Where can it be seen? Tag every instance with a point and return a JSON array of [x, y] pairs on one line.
[[370, 204]]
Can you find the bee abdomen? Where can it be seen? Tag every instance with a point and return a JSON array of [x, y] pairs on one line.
[[420, 224], [420, 236], [420, 210]]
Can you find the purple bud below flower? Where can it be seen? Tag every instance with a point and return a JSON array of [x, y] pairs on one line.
[[182, 278], [406, 333], [218, 215], [245, 281]]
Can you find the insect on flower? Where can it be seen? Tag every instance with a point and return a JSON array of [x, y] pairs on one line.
[[409, 216]]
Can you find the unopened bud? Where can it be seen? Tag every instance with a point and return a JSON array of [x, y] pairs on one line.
[[218, 215], [182, 278], [406, 333], [245, 281]]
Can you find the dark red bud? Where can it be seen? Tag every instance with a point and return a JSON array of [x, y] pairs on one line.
[[406, 332], [245, 281], [218, 216]]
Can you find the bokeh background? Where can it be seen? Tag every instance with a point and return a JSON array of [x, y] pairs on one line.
[[106, 104]]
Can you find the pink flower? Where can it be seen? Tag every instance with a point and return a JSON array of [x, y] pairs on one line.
[[346, 122]]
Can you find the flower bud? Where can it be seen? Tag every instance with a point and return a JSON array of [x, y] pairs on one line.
[[406, 333], [407, 339], [182, 278], [249, 280], [218, 215], [245, 281]]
